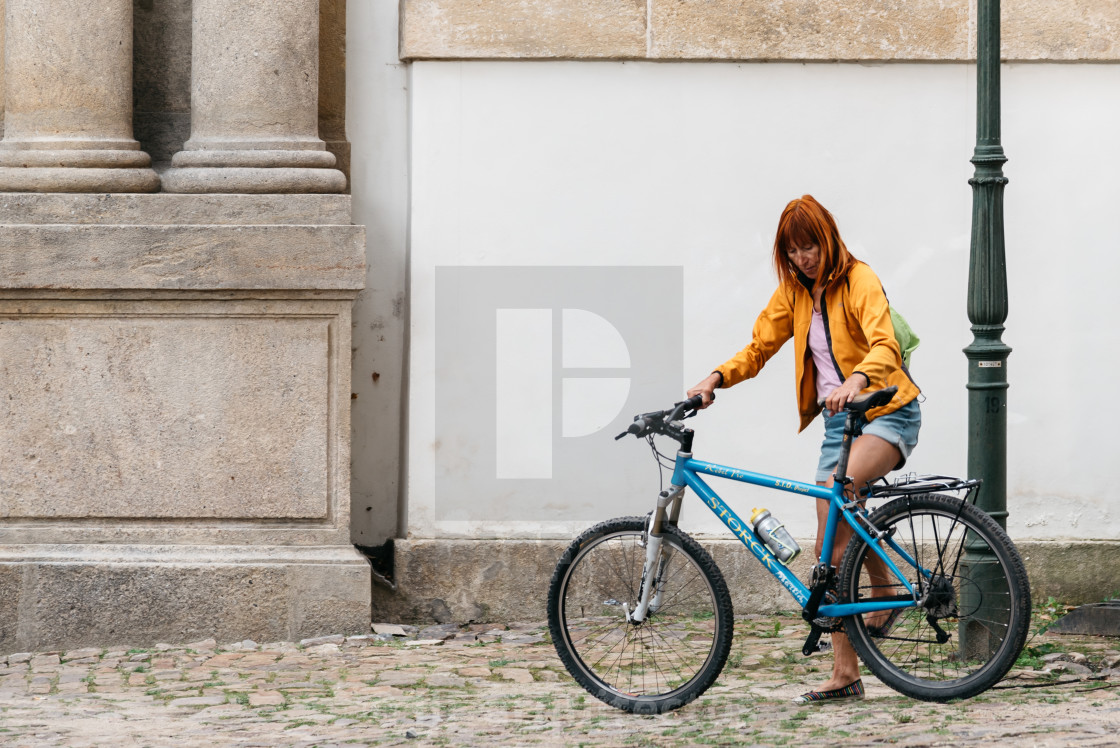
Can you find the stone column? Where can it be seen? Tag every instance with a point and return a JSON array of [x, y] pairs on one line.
[[68, 108], [254, 102]]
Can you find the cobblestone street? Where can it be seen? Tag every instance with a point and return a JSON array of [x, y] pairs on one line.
[[485, 684]]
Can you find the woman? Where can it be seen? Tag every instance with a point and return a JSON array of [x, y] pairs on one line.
[[834, 308]]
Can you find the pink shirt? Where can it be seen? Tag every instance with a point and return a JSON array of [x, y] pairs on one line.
[[827, 378]]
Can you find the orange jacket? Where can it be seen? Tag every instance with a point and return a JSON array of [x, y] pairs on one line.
[[860, 336]]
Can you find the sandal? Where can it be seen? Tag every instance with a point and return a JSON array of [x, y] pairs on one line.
[[853, 690]]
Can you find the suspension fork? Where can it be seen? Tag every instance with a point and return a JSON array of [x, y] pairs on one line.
[[653, 571]]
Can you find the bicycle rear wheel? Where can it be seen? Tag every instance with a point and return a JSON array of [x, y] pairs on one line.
[[975, 594], [663, 662]]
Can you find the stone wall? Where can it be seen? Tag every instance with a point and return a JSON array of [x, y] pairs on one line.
[[507, 580], [855, 30], [177, 269]]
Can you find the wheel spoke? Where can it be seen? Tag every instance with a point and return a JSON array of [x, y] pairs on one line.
[[669, 658], [976, 593]]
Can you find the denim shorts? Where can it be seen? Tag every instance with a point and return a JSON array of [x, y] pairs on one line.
[[900, 428]]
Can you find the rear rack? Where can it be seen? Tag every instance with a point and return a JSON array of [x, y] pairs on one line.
[[911, 484]]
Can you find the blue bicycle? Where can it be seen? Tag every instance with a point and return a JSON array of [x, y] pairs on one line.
[[931, 591]]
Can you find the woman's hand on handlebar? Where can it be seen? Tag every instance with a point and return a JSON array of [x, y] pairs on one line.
[[706, 389], [839, 398]]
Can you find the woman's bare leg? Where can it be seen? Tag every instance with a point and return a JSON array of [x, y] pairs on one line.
[[871, 458]]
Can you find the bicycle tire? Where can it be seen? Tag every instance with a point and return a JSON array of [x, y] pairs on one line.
[[671, 657], [979, 598]]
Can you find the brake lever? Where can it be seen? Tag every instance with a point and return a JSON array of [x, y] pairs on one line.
[[690, 413]]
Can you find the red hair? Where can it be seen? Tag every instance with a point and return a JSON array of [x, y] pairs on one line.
[[805, 221]]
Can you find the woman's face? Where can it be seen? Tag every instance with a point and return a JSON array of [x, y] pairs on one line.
[[806, 258]]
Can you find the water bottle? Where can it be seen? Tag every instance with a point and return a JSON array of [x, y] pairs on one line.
[[775, 535]]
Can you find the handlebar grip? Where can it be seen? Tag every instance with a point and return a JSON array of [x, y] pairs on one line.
[[694, 402], [637, 428]]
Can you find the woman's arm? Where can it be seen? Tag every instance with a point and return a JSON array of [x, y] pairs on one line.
[[707, 388], [772, 329]]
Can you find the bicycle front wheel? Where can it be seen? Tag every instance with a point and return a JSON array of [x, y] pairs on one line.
[[663, 662], [975, 611]]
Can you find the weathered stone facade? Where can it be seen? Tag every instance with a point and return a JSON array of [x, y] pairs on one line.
[[491, 577], [853, 30], [175, 368]]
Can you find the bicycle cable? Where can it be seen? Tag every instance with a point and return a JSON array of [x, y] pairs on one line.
[[661, 460]]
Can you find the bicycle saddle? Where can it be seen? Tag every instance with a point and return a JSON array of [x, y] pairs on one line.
[[864, 403]]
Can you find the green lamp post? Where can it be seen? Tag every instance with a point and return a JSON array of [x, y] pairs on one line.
[[987, 354], [987, 281]]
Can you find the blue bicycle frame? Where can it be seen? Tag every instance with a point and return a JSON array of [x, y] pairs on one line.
[[687, 472]]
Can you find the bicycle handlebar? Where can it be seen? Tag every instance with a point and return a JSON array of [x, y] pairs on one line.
[[657, 421], [661, 421]]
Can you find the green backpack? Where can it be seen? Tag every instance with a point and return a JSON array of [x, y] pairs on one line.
[[908, 340]]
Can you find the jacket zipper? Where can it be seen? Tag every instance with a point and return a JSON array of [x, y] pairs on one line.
[[828, 339], [828, 332], [808, 284]]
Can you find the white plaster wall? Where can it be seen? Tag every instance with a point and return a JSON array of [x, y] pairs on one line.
[[377, 125], [565, 163]]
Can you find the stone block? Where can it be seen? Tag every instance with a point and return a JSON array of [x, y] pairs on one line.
[[171, 210], [183, 419], [1073, 572], [468, 580], [809, 30], [1095, 619], [1060, 30], [851, 30], [79, 595], [435, 29], [163, 411], [182, 258]]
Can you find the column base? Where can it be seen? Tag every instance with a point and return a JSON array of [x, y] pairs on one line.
[[71, 595], [75, 158], [260, 159], [236, 179], [77, 179]]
